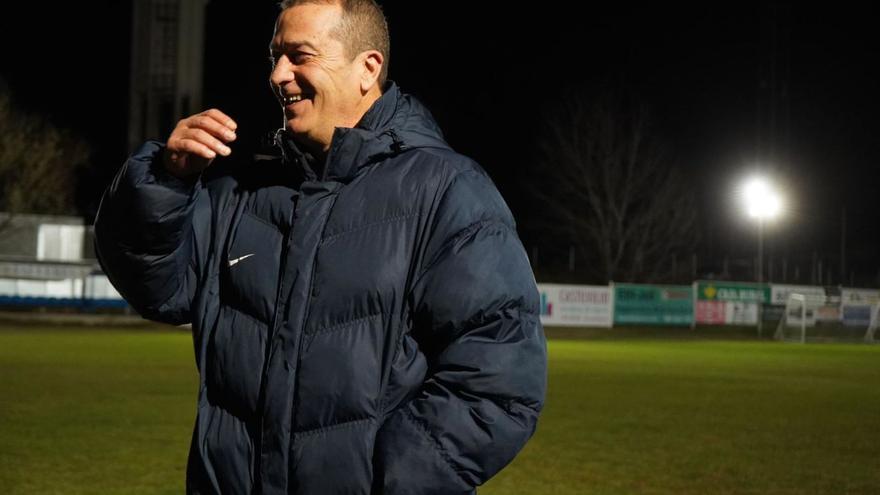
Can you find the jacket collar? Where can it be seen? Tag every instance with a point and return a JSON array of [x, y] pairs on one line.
[[396, 122]]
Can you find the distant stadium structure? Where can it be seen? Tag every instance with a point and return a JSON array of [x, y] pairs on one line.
[[48, 261]]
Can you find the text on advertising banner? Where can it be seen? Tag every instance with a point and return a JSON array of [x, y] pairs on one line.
[[653, 304], [576, 305]]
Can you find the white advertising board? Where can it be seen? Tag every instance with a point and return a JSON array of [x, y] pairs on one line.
[[813, 294], [859, 297], [577, 305]]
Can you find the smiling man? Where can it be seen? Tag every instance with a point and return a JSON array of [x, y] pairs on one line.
[[364, 316], [327, 72]]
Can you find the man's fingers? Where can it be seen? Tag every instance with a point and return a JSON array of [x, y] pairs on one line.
[[222, 118], [210, 124], [193, 147], [203, 137], [200, 136]]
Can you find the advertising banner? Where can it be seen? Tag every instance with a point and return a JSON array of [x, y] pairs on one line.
[[576, 305], [859, 297], [856, 306], [801, 315], [856, 316], [780, 292], [710, 312], [637, 304], [828, 313], [729, 303]]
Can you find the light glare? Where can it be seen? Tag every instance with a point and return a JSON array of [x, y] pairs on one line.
[[761, 201]]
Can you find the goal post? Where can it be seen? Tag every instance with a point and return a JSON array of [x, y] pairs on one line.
[[871, 333], [796, 316]]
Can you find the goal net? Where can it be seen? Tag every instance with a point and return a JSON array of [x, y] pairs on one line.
[[814, 318]]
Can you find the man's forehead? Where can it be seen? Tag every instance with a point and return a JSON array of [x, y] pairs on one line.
[[312, 19], [278, 43], [305, 25]]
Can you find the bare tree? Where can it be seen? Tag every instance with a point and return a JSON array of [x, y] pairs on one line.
[[609, 185], [38, 163]]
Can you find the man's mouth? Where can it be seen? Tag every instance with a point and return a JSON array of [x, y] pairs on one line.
[[290, 100]]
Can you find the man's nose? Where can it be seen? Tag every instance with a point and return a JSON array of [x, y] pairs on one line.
[[282, 73]]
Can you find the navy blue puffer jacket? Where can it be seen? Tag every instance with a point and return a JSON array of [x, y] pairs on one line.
[[372, 330]]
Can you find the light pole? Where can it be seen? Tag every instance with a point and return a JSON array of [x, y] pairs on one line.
[[762, 202], [761, 274]]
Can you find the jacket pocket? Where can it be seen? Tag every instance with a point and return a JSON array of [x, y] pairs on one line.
[[408, 372]]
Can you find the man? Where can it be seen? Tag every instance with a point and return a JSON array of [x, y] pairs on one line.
[[364, 316]]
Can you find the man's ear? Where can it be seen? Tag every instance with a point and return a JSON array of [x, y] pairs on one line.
[[370, 62]]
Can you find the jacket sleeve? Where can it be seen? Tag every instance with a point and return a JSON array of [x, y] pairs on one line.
[[476, 319], [149, 231]]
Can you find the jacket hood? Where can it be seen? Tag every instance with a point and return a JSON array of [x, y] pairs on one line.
[[395, 123]]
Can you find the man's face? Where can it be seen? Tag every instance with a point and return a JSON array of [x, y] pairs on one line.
[[317, 85]]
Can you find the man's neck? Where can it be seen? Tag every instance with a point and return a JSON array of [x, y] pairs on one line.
[[316, 153]]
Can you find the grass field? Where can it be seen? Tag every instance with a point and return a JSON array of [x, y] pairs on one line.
[[102, 411]]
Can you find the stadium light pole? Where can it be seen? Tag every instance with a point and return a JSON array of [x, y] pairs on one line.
[[762, 203]]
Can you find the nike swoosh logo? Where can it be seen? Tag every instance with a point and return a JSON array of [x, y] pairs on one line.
[[236, 260]]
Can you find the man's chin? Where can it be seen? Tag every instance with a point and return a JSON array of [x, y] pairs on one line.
[[293, 130], [302, 138]]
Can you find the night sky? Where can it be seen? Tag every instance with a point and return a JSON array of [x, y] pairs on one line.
[[486, 75]]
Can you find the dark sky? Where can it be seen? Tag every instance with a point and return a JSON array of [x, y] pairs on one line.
[[487, 75]]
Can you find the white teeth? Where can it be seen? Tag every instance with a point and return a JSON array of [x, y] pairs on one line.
[[291, 99]]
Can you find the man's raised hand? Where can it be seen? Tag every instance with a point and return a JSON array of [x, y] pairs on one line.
[[196, 141]]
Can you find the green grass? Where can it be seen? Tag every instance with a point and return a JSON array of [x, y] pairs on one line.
[[95, 411], [101, 411], [692, 417]]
